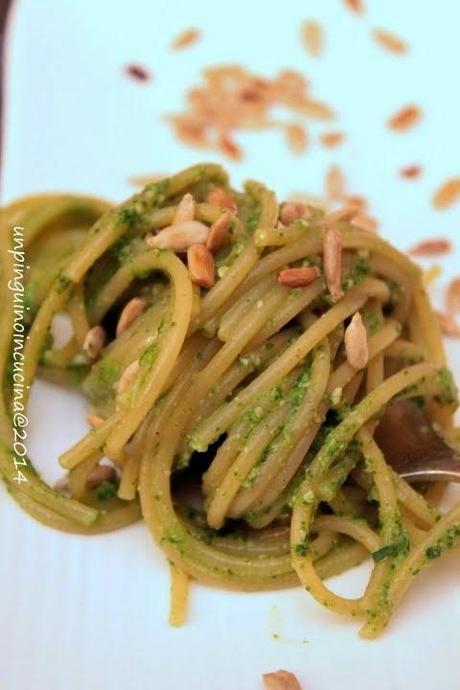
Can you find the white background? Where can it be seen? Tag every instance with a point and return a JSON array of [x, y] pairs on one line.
[[91, 612]]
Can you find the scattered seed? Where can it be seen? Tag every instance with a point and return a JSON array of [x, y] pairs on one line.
[[281, 680], [190, 130], [356, 347], [185, 210], [138, 73], [390, 41], [332, 261], [405, 118], [317, 110], [95, 421], [297, 277], [336, 396], [291, 81], [293, 210], [453, 296], [297, 137], [220, 197], [94, 342], [99, 474], [365, 222], [356, 201], [447, 194], [186, 38], [411, 172], [127, 376], [312, 34], [229, 147], [448, 325], [356, 6], [335, 183], [432, 247], [345, 214], [332, 139], [231, 98], [218, 233], [130, 312], [201, 265], [179, 237]]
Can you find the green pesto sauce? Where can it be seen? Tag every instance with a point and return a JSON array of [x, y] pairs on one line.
[[394, 533], [399, 548], [157, 191], [448, 393], [175, 538], [283, 434], [99, 383], [446, 542], [225, 259], [106, 490], [208, 535], [395, 292], [76, 374], [61, 282], [149, 355], [276, 393], [252, 218], [252, 475], [109, 372], [301, 549], [129, 217], [254, 414], [358, 271], [372, 320]]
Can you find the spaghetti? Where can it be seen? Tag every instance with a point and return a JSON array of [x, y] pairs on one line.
[[234, 394]]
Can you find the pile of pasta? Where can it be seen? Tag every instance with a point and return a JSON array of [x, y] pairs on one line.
[[237, 355]]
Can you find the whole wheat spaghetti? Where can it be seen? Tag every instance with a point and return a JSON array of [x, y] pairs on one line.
[[232, 397]]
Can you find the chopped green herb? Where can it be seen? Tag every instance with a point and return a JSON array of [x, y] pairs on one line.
[[129, 217], [433, 552], [398, 548], [62, 282], [357, 273], [106, 490], [276, 393], [301, 549]]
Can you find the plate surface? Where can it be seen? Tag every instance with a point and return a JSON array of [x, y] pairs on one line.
[[91, 612]]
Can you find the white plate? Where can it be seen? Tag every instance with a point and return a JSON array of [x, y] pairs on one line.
[[91, 612]]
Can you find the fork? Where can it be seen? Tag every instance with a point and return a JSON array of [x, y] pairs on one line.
[[413, 448]]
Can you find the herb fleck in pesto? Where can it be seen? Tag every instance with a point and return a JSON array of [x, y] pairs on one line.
[[62, 282], [129, 216], [106, 490], [109, 372], [433, 552], [276, 393], [300, 550], [372, 321], [357, 273], [399, 549]]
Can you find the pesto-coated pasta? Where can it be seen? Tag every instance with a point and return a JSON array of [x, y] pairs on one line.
[[227, 408]]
